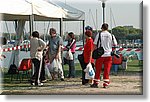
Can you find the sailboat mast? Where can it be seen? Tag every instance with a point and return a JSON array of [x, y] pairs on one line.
[[111, 20], [96, 22]]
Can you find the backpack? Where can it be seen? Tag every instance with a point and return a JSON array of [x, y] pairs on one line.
[[12, 69]]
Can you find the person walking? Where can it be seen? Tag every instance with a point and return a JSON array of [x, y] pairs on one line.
[[106, 42], [71, 46], [87, 53], [54, 49], [36, 49]]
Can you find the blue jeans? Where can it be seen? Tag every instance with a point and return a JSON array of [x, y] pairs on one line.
[[71, 67], [115, 68]]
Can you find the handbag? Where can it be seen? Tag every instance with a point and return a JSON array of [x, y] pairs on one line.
[[69, 55], [116, 60], [97, 53]]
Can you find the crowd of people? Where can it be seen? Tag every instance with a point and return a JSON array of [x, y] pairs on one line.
[[50, 55], [53, 56]]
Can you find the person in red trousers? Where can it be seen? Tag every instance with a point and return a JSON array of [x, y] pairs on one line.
[[107, 41]]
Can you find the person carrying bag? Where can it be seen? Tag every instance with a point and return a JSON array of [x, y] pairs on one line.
[[87, 55], [55, 48], [69, 57], [106, 58]]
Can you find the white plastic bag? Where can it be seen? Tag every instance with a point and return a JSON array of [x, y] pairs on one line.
[[89, 72], [69, 55], [54, 66], [47, 71]]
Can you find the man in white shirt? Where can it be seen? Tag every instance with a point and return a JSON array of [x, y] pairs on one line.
[[107, 41]]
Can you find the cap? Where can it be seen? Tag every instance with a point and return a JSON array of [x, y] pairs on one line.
[[88, 28]]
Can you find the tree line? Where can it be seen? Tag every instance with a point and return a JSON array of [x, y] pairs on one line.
[[120, 32]]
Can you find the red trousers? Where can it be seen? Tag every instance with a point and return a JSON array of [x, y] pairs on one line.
[[107, 61]]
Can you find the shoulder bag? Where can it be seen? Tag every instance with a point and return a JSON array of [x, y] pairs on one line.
[[97, 53]]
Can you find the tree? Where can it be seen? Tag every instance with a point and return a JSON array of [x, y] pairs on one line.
[[120, 32], [133, 31]]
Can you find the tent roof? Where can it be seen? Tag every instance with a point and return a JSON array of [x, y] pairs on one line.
[[43, 10], [21, 9], [72, 13]]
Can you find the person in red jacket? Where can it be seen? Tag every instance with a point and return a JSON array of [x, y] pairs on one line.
[[87, 53]]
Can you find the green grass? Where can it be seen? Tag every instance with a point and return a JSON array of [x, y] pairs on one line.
[[77, 68], [133, 67]]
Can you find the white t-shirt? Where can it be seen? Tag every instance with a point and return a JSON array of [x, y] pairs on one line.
[[106, 42]]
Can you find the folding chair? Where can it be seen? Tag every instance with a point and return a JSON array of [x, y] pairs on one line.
[[24, 68]]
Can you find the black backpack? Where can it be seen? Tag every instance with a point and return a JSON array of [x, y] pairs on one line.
[[13, 68]]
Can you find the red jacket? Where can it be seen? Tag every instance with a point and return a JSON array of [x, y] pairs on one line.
[[88, 47]]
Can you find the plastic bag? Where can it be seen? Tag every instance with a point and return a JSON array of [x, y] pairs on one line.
[[69, 55], [89, 72], [47, 71], [55, 66]]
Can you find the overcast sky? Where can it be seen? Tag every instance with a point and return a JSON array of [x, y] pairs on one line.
[[125, 12]]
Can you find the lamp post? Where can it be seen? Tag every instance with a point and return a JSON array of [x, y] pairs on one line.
[[103, 6]]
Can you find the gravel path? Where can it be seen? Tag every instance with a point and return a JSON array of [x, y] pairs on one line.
[[120, 85]]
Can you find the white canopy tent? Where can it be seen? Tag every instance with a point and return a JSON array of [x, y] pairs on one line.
[[23, 10], [36, 10]]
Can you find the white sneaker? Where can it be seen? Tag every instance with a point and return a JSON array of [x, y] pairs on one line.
[[39, 84], [32, 83]]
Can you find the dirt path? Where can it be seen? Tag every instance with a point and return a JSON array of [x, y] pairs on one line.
[[126, 85]]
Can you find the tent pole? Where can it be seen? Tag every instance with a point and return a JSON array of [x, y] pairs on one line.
[[31, 24], [31, 20], [16, 24], [83, 32], [61, 27]]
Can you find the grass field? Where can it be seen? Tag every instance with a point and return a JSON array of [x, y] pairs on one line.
[[133, 67], [131, 76]]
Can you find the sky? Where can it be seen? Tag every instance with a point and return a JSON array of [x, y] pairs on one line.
[[124, 13]]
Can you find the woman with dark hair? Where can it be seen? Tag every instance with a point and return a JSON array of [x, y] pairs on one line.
[[71, 46], [87, 53], [37, 45]]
